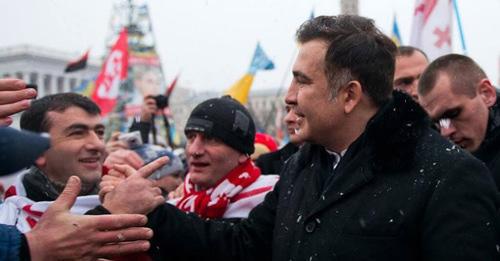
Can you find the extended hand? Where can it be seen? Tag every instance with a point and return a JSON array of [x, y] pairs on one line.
[[61, 235]]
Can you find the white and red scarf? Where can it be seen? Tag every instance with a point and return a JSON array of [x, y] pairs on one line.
[[235, 186], [24, 213]]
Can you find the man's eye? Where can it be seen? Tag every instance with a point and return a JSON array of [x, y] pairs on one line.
[[451, 114], [76, 133], [100, 133]]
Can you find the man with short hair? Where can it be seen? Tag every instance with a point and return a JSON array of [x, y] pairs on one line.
[[271, 163], [463, 103], [410, 64], [375, 182], [74, 125], [77, 149], [222, 181], [55, 236]]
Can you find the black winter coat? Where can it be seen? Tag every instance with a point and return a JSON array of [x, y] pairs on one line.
[[272, 162], [401, 192], [489, 151]]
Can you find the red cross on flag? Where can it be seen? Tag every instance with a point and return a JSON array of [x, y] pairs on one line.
[[113, 71], [431, 31]]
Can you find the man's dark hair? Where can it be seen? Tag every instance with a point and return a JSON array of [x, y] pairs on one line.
[[463, 72], [35, 117], [357, 50], [406, 50]]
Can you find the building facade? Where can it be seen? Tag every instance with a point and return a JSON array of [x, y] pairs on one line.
[[45, 68]]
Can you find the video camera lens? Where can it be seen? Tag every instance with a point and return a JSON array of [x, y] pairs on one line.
[[161, 101]]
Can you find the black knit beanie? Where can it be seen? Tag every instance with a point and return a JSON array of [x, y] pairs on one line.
[[226, 119]]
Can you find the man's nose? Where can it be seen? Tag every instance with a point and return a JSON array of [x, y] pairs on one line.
[[94, 142], [448, 131]]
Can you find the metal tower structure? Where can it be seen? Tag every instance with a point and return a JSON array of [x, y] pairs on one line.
[[349, 7], [145, 74]]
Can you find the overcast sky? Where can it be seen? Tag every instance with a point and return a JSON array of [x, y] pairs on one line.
[[212, 41]]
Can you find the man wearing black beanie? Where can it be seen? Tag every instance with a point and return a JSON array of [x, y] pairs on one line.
[[222, 181]]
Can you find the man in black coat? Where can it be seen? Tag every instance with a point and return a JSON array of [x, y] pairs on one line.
[[272, 162], [463, 103], [375, 181]]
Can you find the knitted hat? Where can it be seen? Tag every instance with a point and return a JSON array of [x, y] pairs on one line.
[[225, 119]]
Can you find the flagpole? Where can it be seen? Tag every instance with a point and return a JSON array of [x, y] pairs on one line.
[[460, 28]]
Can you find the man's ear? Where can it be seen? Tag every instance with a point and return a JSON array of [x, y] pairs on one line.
[[487, 92], [41, 161], [351, 95]]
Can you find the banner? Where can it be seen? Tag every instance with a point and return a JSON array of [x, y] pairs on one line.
[[432, 27], [113, 72]]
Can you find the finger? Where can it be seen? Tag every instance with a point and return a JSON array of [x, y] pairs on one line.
[[159, 200], [122, 248], [5, 121], [116, 174], [151, 167], [18, 95], [67, 198], [117, 221], [125, 170], [105, 190], [12, 108], [157, 191], [123, 235], [135, 160], [11, 84]]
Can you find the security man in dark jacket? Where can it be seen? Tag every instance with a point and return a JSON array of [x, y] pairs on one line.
[[375, 181], [464, 104]]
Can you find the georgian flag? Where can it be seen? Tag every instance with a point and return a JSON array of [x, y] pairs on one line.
[[432, 27]]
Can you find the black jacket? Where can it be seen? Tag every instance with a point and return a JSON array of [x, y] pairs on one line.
[[401, 192], [489, 151], [272, 162]]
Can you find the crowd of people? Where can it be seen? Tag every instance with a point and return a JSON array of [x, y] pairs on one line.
[[391, 157]]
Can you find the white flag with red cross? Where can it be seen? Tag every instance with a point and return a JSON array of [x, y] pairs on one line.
[[432, 27]]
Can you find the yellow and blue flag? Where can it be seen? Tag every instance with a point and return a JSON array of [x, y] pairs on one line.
[[241, 88], [396, 36]]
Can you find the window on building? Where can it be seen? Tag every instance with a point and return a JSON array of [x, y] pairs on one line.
[[60, 84], [72, 84], [33, 78], [19, 75], [47, 82]]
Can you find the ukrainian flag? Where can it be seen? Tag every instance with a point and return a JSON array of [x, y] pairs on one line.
[[241, 88], [396, 36]]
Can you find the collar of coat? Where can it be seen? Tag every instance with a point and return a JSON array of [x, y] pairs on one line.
[[392, 135]]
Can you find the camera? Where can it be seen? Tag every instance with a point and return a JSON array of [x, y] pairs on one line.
[[132, 139], [161, 101]]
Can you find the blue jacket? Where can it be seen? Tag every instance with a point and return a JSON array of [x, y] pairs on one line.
[[10, 242]]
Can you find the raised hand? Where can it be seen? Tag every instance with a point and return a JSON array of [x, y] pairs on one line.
[[14, 97], [135, 194]]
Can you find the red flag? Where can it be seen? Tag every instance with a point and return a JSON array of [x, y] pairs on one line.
[[77, 64], [171, 87], [113, 71]]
